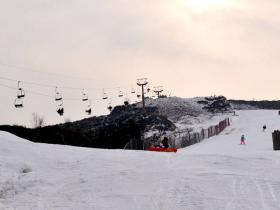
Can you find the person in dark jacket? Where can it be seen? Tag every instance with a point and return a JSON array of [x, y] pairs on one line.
[[243, 139], [165, 143], [264, 128]]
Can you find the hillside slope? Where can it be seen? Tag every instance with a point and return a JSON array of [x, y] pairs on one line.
[[216, 174], [189, 113]]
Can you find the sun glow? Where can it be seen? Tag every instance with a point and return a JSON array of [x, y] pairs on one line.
[[204, 5]]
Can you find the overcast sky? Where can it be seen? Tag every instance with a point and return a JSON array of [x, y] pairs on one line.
[[190, 49]]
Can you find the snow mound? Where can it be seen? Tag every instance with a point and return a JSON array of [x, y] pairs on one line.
[[176, 108]]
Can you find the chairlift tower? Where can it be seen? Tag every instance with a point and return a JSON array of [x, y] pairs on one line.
[[142, 83], [158, 90]]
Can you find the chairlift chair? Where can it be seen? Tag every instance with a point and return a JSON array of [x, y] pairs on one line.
[[60, 110], [110, 108], [120, 94], [88, 110], [58, 96], [84, 96], [104, 96], [18, 103], [20, 91], [148, 89], [126, 103], [132, 91]]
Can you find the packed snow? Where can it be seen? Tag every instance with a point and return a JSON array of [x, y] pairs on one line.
[[217, 174]]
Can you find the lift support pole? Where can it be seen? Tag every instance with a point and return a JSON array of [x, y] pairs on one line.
[[142, 83]]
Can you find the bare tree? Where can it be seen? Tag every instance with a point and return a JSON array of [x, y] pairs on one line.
[[37, 120]]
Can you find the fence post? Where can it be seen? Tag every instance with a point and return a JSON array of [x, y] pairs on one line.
[[276, 140]]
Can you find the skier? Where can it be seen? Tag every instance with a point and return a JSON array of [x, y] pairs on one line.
[[165, 143], [242, 139], [264, 128]]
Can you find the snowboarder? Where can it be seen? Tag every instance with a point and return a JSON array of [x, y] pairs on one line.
[[264, 128], [165, 143], [242, 140]]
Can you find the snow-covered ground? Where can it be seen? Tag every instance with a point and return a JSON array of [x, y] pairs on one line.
[[217, 174]]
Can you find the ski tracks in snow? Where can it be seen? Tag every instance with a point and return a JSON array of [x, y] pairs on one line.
[[250, 193]]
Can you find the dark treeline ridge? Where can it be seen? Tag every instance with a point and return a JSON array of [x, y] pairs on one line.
[[109, 132], [265, 104]]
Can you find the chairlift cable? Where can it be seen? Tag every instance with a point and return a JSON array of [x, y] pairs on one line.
[[60, 87], [41, 94]]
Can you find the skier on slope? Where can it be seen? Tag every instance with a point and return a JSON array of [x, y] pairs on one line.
[[242, 139], [264, 128]]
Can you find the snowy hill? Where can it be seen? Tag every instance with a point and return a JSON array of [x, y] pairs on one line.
[[216, 174], [176, 108], [129, 127], [187, 113]]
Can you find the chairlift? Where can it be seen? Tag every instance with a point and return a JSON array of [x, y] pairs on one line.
[[148, 89], [120, 94], [105, 97], [138, 95], [18, 103], [60, 110], [110, 108], [58, 96], [20, 91], [88, 108], [126, 102], [84, 96], [132, 91]]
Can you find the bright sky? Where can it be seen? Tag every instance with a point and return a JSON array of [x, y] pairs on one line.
[[191, 47]]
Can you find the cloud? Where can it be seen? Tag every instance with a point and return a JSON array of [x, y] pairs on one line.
[[113, 42]]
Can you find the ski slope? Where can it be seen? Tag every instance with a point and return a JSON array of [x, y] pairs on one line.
[[217, 174]]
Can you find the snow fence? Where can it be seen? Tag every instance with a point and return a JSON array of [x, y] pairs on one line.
[[185, 139], [182, 138]]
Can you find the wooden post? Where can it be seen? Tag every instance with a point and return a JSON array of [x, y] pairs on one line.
[[276, 140]]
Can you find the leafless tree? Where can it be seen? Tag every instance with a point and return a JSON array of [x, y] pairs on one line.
[[37, 120]]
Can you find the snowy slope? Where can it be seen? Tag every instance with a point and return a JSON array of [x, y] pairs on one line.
[[186, 113], [216, 174]]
